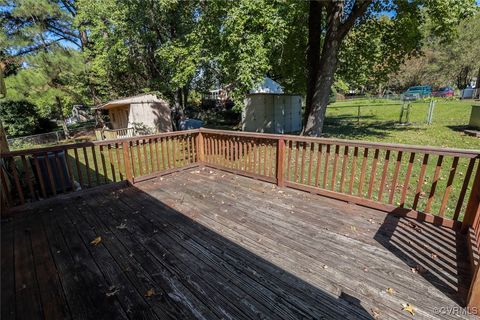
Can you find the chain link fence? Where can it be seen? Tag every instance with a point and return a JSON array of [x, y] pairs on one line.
[[36, 140]]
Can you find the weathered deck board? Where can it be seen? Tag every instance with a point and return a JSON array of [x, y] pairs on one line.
[[215, 245]]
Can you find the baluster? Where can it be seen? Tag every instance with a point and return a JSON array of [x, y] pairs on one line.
[[295, 169], [384, 175], [407, 179], [87, 167], [395, 177], [373, 173], [434, 183], [18, 186], [70, 171], [325, 169], [77, 165], [50, 174], [156, 154], [28, 177], [344, 168], [145, 155], [466, 181], [150, 149], [352, 171], [302, 166], [289, 161], [104, 166], [362, 172], [119, 162], [319, 164], [97, 176], [334, 169], [60, 171], [448, 188], [112, 165]]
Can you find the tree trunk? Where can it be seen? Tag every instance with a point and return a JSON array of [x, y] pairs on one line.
[[313, 52], [326, 72], [3, 140], [477, 85], [62, 117]]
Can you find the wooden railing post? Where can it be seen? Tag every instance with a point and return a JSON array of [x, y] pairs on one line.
[[473, 302], [126, 160], [472, 212], [281, 162], [200, 148]]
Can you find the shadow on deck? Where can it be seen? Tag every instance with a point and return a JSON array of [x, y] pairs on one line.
[[207, 244]]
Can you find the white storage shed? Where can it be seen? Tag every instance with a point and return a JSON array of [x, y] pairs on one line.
[[272, 113]]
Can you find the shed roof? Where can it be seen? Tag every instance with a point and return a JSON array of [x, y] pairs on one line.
[[141, 98]]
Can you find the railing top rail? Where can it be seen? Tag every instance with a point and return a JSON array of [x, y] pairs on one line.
[[464, 153], [120, 129], [93, 143]]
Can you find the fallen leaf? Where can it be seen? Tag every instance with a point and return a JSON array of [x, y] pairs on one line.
[[418, 269], [434, 255], [112, 291], [414, 226], [121, 226], [390, 290], [354, 229], [409, 308], [150, 293], [96, 241]]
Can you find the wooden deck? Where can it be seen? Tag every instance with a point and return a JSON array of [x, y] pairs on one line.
[[207, 244]]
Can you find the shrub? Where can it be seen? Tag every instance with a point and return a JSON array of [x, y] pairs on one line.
[[20, 118]]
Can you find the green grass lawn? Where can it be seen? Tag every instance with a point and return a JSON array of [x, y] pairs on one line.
[[379, 118]]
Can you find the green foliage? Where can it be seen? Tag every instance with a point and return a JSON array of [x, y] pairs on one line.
[[453, 62], [52, 81], [87, 51], [20, 118]]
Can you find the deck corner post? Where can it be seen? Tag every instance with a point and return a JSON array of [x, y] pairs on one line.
[[126, 160], [473, 300], [472, 211], [200, 148], [280, 162]]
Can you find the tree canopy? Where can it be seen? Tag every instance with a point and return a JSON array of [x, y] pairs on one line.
[[56, 53]]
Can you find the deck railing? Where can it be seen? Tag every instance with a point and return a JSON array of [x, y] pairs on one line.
[[112, 134], [36, 174], [438, 185]]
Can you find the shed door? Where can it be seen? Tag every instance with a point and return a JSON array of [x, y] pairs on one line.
[[119, 118]]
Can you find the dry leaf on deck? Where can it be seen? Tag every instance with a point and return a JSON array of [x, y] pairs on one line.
[[150, 293], [390, 290], [409, 308], [121, 226], [96, 241]]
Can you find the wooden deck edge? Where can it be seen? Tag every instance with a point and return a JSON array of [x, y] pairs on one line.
[[165, 172], [65, 196], [404, 212], [240, 172], [473, 252]]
